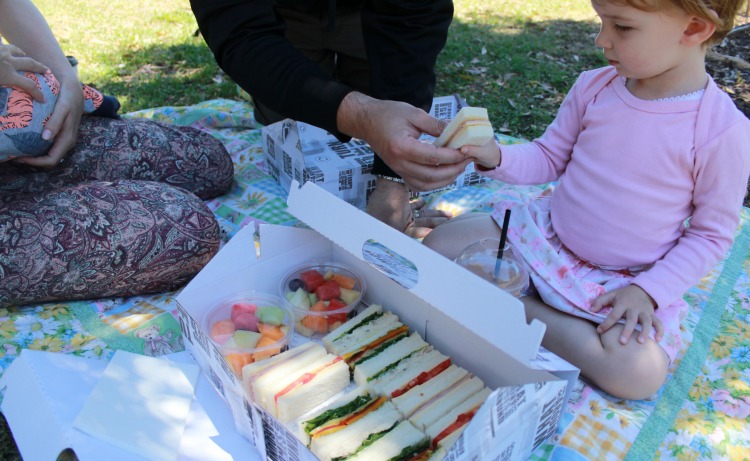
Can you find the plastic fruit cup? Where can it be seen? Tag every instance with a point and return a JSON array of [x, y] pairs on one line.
[[322, 295], [249, 327], [481, 258]]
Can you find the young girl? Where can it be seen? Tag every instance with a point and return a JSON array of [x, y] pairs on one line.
[[652, 162]]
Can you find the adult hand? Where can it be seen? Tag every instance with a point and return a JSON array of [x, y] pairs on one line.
[[635, 306], [62, 126], [14, 60], [393, 129]]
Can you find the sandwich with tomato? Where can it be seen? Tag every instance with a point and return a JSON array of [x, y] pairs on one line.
[[344, 435], [296, 381]]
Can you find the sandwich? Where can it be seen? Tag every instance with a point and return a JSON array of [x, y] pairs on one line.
[[426, 393], [385, 356], [441, 404], [449, 427], [337, 414], [297, 383], [364, 333], [418, 368], [251, 370], [403, 442], [471, 126], [349, 439]]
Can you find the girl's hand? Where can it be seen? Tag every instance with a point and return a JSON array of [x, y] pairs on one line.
[[62, 126], [635, 306], [487, 156], [14, 60]]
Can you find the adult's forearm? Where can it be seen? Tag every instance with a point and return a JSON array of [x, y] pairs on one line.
[[23, 25]]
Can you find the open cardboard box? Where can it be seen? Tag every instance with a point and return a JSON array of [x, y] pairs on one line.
[[482, 328]]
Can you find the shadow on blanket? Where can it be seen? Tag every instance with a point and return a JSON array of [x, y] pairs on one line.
[[702, 412]]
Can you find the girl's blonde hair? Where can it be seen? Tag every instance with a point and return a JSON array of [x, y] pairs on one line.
[[720, 12]]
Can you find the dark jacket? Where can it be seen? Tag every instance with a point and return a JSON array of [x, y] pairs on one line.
[[402, 40]]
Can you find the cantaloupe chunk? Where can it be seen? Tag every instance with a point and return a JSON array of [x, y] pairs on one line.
[[239, 360], [272, 331], [222, 330], [263, 342], [316, 323], [344, 281]]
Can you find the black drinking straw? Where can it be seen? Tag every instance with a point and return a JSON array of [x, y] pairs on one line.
[[501, 248]]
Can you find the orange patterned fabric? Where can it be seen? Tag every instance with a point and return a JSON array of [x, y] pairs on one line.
[[22, 118]]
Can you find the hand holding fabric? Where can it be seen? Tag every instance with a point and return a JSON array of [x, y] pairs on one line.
[[12, 61]]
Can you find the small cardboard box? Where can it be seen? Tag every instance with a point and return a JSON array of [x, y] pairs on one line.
[[482, 328], [297, 151]]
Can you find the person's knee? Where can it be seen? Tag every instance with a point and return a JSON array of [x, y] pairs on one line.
[[221, 165], [635, 371]]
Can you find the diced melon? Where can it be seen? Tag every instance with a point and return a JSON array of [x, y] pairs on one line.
[[239, 360], [265, 341], [303, 330], [316, 323], [272, 315], [300, 299], [222, 330], [245, 339], [349, 296], [344, 281], [272, 331]]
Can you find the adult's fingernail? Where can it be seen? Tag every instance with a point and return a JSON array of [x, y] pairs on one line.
[[46, 135]]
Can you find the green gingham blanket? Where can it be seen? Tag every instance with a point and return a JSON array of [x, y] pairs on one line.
[[701, 413]]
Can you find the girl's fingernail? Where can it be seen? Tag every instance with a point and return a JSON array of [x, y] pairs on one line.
[[46, 135]]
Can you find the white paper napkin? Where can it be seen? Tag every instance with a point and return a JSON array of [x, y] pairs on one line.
[[141, 404]]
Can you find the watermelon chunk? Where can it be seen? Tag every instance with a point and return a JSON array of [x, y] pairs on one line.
[[312, 279]]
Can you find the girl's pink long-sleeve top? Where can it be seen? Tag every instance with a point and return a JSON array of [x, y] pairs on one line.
[[632, 173]]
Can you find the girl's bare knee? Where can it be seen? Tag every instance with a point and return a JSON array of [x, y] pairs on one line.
[[635, 371]]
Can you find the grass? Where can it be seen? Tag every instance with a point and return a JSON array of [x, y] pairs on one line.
[[517, 58]]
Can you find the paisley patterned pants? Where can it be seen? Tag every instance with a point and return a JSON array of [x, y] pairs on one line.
[[123, 215]]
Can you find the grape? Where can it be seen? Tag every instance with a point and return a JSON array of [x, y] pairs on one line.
[[296, 284]]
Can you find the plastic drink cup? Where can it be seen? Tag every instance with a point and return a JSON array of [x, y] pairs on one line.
[[481, 259]]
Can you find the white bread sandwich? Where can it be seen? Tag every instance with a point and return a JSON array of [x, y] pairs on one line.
[[337, 414], [423, 394], [471, 126], [416, 369], [349, 439], [363, 333], [449, 427], [441, 404], [309, 350], [385, 356], [402, 443], [293, 386]]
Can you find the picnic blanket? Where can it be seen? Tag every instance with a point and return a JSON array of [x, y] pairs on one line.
[[701, 413]]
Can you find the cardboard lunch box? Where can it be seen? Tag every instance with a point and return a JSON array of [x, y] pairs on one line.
[[478, 325], [297, 151]]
